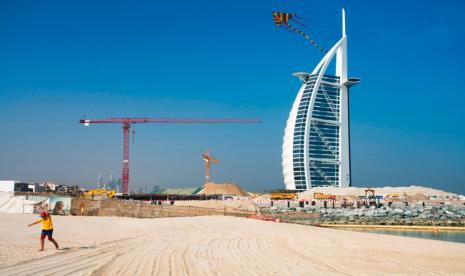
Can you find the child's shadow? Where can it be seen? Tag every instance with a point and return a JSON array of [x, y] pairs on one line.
[[80, 247]]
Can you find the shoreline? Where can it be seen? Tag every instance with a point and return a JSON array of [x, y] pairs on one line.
[[396, 227]]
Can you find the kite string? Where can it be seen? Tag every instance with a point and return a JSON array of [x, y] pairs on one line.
[[287, 29], [300, 18], [308, 38], [294, 16], [299, 23]]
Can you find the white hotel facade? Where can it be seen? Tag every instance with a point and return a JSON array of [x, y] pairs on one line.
[[316, 146]]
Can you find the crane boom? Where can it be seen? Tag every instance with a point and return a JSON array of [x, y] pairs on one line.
[[126, 123], [167, 120]]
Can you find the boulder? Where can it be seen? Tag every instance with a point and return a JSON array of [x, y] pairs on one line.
[[408, 213], [398, 211]]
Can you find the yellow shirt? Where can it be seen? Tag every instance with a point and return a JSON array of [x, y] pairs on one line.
[[46, 220]]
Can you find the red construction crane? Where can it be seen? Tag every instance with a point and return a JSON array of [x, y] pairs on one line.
[[126, 122]]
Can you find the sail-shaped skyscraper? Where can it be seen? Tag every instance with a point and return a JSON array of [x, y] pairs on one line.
[[316, 146]]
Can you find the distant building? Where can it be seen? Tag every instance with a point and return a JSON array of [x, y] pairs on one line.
[[316, 149], [7, 185], [20, 186], [24, 187], [44, 187], [155, 189], [50, 186], [39, 188], [114, 184], [118, 184]]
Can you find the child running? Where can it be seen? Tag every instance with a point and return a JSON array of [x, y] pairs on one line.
[[47, 227]]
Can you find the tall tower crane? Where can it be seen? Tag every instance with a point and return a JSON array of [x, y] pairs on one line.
[[208, 159], [126, 123]]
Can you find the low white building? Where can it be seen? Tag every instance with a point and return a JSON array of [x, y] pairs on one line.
[[51, 186], [7, 185]]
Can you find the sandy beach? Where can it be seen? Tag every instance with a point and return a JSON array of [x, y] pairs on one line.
[[215, 245]]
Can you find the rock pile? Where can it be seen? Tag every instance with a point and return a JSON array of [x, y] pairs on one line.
[[444, 215]]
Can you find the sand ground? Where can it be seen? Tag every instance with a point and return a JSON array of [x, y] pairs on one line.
[[215, 246]]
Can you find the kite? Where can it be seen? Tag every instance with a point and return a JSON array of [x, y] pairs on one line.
[[283, 20]]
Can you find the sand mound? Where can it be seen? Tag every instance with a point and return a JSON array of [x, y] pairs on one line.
[[262, 197], [415, 192], [222, 189]]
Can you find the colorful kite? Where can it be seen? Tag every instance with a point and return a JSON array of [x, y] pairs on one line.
[[282, 19]]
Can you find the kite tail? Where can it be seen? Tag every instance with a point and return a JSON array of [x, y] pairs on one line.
[[308, 38], [287, 29]]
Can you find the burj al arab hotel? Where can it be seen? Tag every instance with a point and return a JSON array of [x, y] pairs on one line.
[[316, 146]]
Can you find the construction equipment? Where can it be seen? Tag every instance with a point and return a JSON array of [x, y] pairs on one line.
[[393, 195], [370, 198], [99, 193], [321, 196], [286, 196], [208, 159], [126, 122]]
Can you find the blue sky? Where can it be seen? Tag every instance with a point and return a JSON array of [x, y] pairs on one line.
[[63, 59]]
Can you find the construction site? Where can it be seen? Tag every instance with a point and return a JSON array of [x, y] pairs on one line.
[[204, 229], [189, 207], [412, 205]]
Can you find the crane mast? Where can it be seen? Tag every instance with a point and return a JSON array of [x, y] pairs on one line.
[[125, 180], [208, 159]]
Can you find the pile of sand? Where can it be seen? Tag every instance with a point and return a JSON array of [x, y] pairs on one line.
[[222, 189], [263, 197], [414, 192]]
